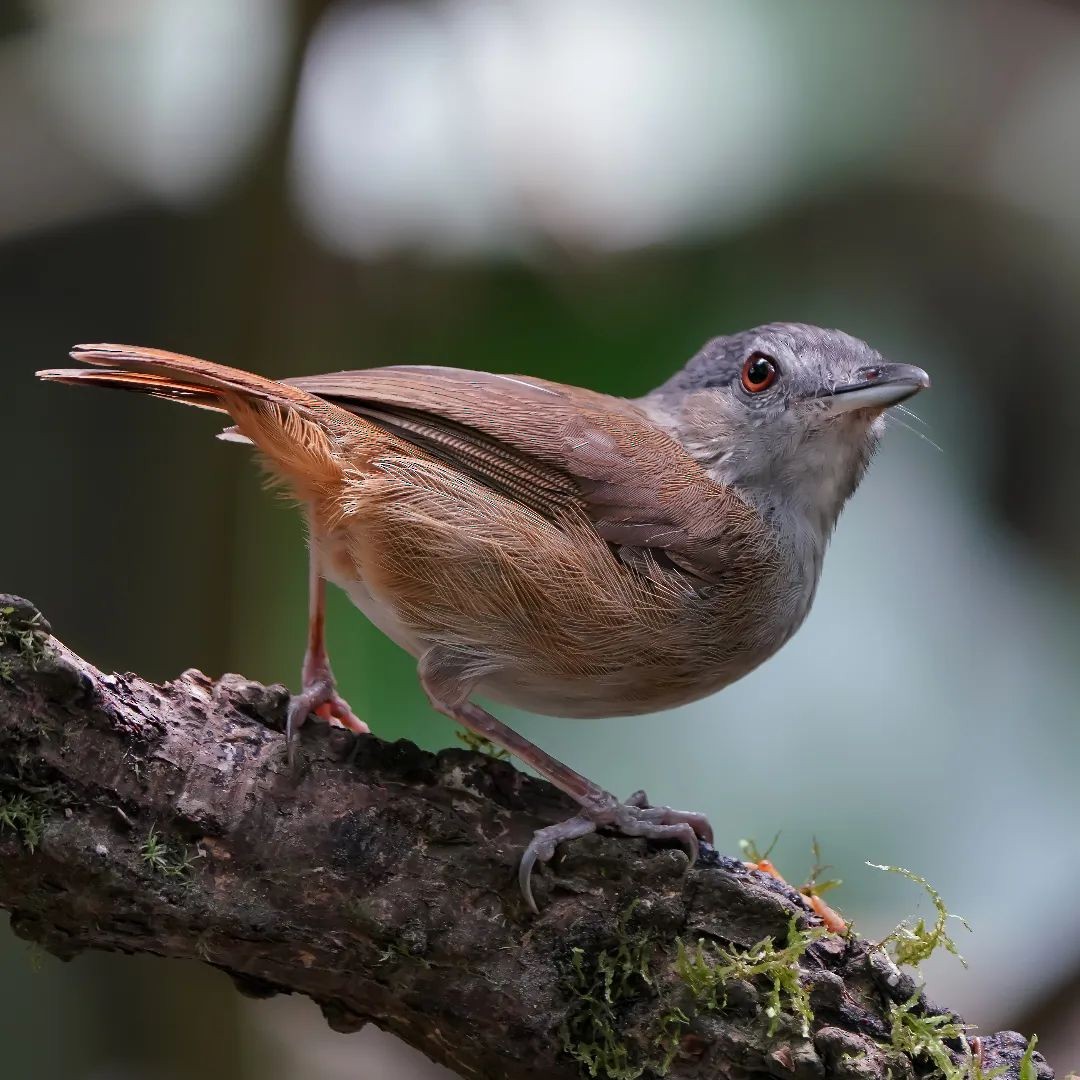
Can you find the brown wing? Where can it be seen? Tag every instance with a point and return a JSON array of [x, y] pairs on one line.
[[560, 450]]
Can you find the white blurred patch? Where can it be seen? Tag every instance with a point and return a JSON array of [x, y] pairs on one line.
[[37, 187], [172, 95], [472, 125]]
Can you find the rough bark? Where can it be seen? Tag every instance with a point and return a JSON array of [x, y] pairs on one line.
[[380, 881]]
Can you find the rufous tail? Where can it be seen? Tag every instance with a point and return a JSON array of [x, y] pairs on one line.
[[294, 429]]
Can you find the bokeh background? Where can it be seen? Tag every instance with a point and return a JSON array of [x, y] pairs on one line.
[[584, 190]]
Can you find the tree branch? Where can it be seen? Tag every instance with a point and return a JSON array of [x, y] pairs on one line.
[[380, 882]]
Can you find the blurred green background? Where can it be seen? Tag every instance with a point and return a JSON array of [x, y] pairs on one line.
[[584, 190]]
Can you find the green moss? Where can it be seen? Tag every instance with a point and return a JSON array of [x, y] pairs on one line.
[[924, 1037], [752, 853], [165, 858], [481, 744], [28, 640], [397, 951], [27, 797], [666, 1037], [1027, 1062], [707, 969], [612, 987], [359, 911], [605, 987], [36, 957], [816, 884], [911, 945], [696, 967], [25, 817]]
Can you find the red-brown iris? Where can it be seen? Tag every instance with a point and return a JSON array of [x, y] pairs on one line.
[[758, 373]]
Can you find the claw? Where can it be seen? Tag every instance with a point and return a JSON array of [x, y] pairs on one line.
[[635, 817], [542, 847], [337, 711], [448, 687], [665, 815], [321, 698]]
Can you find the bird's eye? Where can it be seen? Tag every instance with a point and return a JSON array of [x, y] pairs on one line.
[[758, 373]]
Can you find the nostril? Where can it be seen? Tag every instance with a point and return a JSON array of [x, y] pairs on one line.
[[871, 373]]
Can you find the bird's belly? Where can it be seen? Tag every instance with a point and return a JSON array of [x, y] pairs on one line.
[[630, 683], [548, 621], [629, 688], [629, 692], [338, 569]]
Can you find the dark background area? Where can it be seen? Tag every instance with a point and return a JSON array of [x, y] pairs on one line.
[[584, 192]]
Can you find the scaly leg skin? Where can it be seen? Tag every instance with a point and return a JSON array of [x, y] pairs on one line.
[[447, 692], [319, 693], [601, 808]]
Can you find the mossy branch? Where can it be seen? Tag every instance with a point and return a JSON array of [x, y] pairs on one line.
[[380, 882]]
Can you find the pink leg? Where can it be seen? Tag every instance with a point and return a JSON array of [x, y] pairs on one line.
[[319, 691], [447, 691]]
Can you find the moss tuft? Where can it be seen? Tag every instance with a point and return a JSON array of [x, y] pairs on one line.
[[1027, 1062], [816, 884], [605, 987], [707, 969], [165, 858], [752, 853], [27, 637], [481, 745], [911, 945], [24, 817], [921, 1036]]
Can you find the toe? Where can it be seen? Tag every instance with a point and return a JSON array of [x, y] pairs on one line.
[[689, 837], [542, 847], [699, 823], [347, 718], [633, 818], [320, 698], [336, 711], [664, 815], [667, 816], [633, 822]]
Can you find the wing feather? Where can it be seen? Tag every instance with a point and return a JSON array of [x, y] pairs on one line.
[[562, 450]]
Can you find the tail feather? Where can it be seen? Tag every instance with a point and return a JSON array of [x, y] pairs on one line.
[[157, 386], [292, 427], [190, 372]]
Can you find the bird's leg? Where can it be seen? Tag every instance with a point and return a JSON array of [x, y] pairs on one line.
[[318, 693], [447, 689]]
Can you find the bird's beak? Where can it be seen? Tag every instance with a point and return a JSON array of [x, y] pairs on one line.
[[876, 388]]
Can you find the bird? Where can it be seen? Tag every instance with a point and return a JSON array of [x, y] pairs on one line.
[[551, 547]]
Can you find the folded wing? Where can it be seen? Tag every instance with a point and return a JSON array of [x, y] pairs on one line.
[[562, 450]]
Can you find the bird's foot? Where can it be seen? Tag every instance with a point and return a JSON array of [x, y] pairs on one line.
[[635, 817], [319, 697]]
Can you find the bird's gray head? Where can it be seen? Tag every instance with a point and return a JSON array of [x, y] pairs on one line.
[[788, 414]]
